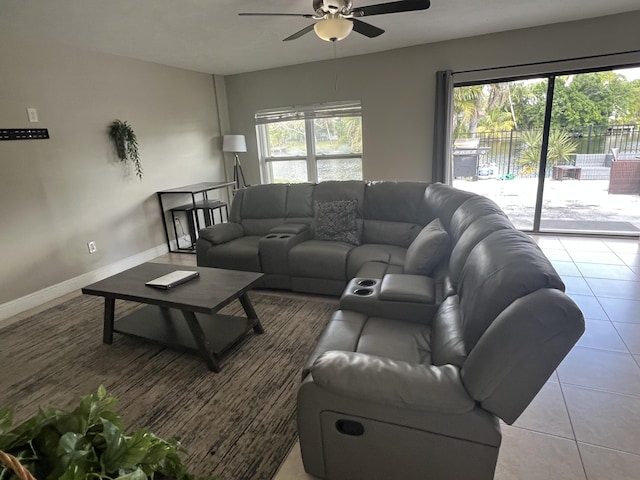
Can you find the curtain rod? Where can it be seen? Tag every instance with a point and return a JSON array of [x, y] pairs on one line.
[[548, 62]]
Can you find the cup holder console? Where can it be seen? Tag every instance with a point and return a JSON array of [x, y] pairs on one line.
[[363, 292], [271, 236], [367, 282]]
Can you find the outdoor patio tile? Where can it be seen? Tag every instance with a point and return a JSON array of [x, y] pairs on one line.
[[566, 268], [528, 455], [557, 254], [630, 333], [601, 369], [602, 334], [604, 418], [613, 272], [621, 310], [547, 413], [576, 285], [584, 244], [608, 258], [607, 464], [590, 306], [603, 287]]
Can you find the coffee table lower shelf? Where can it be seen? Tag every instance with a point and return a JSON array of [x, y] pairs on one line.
[[169, 327]]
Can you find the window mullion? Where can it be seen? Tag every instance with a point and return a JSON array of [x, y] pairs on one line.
[[312, 170]]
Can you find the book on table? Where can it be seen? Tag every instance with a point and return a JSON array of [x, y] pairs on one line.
[[173, 279]]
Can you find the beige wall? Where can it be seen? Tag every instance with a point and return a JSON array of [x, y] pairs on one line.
[[58, 194], [397, 87]]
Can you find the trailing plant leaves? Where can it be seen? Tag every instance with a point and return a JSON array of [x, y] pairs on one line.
[[115, 447], [6, 419], [88, 442], [126, 144]]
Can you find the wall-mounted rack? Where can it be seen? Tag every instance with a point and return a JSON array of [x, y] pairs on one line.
[[24, 133]]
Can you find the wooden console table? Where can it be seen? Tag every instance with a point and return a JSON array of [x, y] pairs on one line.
[[203, 203]]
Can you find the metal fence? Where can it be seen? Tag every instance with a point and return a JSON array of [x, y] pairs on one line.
[[502, 150]]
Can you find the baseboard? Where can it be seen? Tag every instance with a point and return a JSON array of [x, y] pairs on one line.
[[19, 305]]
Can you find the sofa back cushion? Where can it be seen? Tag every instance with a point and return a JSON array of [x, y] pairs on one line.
[[502, 267], [262, 208], [430, 247], [393, 212], [299, 207], [442, 201], [473, 234], [332, 191], [470, 211]]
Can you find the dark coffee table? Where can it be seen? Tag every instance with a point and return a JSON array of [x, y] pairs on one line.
[[184, 316]]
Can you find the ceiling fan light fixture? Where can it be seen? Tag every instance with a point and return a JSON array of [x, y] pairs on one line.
[[333, 28]]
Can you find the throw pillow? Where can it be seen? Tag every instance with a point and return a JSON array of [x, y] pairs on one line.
[[337, 221], [427, 250]]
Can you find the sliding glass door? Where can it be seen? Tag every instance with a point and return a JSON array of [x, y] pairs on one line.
[[544, 148], [497, 145], [594, 118]]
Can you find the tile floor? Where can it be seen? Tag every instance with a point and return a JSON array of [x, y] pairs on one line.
[[585, 423]]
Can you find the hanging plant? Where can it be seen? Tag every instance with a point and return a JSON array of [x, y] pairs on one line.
[[126, 144]]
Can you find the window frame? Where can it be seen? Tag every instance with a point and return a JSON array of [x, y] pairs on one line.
[[309, 115]]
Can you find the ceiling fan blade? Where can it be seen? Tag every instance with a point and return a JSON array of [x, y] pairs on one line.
[[366, 29], [391, 7], [304, 15], [299, 33]]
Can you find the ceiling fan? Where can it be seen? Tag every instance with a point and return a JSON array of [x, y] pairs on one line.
[[337, 18]]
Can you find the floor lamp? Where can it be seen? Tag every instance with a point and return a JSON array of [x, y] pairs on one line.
[[236, 144]]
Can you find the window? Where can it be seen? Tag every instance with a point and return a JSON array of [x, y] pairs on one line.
[[311, 144]]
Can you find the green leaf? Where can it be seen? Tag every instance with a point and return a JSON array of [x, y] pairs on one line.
[[6, 419], [73, 451], [137, 474], [115, 449], [138, 446], [74, 472]]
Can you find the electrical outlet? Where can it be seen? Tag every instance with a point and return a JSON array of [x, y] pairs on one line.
[[92, 247]]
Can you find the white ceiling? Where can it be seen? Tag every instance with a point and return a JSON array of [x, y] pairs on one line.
[[209, 36]]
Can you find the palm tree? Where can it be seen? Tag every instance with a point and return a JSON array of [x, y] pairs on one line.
[[561, 147]]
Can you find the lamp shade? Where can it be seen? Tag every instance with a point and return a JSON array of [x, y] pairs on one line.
[[333, 28], [234, 143]]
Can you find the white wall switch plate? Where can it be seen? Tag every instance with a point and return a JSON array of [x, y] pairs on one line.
[[32, 113]]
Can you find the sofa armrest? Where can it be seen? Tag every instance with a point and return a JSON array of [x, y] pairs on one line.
[[392, 382], [408, 288], [292, 228], [222, 233]]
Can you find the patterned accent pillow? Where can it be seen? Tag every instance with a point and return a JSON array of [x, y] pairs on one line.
[[337, 221]]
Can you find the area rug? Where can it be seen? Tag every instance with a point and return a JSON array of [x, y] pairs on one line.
[[236, 424]]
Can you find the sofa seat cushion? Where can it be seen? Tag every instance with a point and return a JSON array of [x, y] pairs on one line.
[[351, 331], [358, 256], [238, 254], [320, 259], [396, 339]]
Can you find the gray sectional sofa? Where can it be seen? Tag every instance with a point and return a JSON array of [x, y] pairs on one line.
[[274, 229], [449, 320]]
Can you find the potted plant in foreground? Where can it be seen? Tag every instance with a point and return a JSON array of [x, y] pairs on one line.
[[86, 443]]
